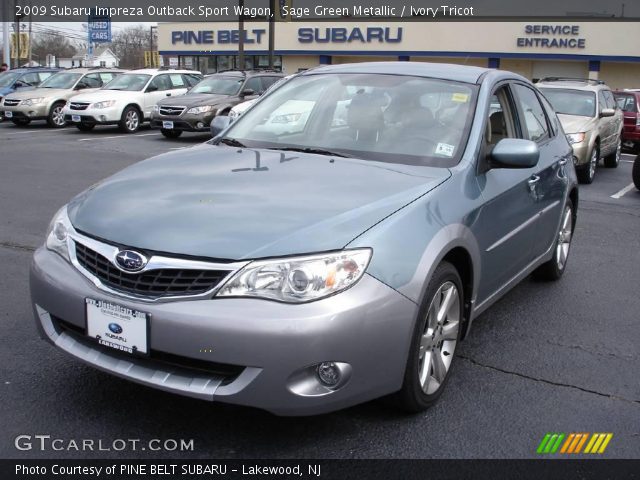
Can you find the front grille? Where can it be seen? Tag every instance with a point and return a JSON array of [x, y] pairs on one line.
[[170, 110], [78, 105], [10, 102], [165, 282], [229, 371]]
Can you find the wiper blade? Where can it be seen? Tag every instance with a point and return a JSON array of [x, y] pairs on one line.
[[317, 151], [232, 142]]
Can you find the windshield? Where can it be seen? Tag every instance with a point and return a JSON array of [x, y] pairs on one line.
[[218, 86], [626, 102], [131, 82], [8, 78], [571, 102], [61, 80], [391, 118]]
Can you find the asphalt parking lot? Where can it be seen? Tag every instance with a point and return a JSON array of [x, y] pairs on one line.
[[549, 357]]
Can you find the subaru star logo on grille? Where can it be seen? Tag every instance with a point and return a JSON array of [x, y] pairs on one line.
[[115, 328], [130, 261]]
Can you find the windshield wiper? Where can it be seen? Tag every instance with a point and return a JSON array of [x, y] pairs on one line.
[[317, 151], [232, 142]]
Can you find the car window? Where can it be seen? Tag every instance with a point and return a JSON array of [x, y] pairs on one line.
[[534, 123], [611, 102], [501, 122], [602, 101], [162, 82], [268, 81], [191, 79], [106, 77], [31, 79], [571, 102], [44, 75], [92, 80], [254, 84], [626, 102], [177, 81]]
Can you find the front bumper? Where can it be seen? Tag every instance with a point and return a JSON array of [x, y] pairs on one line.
[[268, 347], [187, 122], [95, 116], [581, 153], [31, 112]]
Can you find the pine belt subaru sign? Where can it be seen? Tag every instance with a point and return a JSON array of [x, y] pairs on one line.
[[100, 28]]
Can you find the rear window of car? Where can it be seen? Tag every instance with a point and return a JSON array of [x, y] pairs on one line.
[[626, 102]]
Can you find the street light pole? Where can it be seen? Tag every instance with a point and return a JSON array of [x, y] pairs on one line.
[[272, 28], [241, 38], [5, 34]]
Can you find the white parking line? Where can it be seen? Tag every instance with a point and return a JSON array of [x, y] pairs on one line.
[[117, 136], [624, 191]]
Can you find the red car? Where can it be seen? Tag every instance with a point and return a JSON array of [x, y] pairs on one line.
[[629, 103]]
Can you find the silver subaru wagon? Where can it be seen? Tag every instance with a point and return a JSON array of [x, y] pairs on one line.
[[331, 246]]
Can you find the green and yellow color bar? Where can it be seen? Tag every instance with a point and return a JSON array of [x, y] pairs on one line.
[[573, 443]]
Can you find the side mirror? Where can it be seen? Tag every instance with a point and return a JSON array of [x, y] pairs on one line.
[[152, 88], [19, 84], [607, 112], [514, 153], [81, 86], [247, 92], [218, 124]]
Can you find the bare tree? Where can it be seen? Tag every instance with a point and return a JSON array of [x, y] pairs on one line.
[[57, 45], [129, 45]]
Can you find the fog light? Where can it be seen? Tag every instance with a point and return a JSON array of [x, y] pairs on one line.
[[329, 374], [200, 125], [103, 118]]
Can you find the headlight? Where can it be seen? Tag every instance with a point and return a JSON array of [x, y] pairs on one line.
[[32, 101], [103, 104], [202, 109], [58, 232], [288, 118], [298, 279], [575, 137]]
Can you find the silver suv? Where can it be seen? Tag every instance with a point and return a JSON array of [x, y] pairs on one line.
[[591, 120], [47, 101]]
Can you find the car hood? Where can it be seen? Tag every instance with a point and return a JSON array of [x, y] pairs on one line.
[[195, 99], [576, 123], [41, 92], [7, 90], [228, 203], [101, 95]]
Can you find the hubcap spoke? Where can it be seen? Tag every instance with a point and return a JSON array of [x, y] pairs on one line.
[[450, 331], [439, 369]]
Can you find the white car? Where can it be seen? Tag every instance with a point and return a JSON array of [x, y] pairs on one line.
[[128, 100], [239, 109]]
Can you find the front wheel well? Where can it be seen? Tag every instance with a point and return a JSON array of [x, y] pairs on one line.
[[461, 260]]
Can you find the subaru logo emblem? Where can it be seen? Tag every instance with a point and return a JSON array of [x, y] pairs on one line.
[[115, 328], [130, 261]]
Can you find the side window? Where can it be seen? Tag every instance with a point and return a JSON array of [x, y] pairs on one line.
[[177, 81], [31, 79], [268, 81], [611, 102], [554, 122], [43, 76], [500, 123], [92, 80], [191, 80], [602, 101], [162, 82], [254, 84], [535, 120]]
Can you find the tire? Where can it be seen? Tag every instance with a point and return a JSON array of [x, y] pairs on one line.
[[85, 127], [554, 269], [130, 120], [636, 172], [613, 160], [55, 118], [587, 172], [21, 122], [433, 342], [170, 133]]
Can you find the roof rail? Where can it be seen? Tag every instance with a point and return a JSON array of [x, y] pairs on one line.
[[572, 79]]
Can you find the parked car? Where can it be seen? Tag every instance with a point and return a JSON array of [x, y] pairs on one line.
[[23, 78], [47, 101], [128, 100], [308, 271], [214, 95], [591, 118], [242, 107], [629, 102]]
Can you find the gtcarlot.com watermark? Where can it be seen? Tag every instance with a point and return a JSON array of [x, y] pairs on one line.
[[48, 443]]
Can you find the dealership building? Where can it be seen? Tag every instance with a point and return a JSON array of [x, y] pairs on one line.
[[609, 51]]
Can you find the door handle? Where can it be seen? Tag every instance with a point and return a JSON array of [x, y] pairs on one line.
[[532, 182]]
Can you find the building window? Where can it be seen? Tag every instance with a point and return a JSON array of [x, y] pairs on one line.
[[103, 63]]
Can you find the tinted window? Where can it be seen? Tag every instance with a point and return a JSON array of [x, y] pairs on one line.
[[254, 84], [219, 85], [268, 81], [162, 82], [626, 102], [92, 80], [535, 121], [192, 79]]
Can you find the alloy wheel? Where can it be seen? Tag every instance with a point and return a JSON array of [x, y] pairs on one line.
[[132, 120], [57, 116], [593, 162], [440, 337], [564, 238]]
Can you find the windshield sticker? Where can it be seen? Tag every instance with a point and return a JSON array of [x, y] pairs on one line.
[[460, 97], [445, 149]]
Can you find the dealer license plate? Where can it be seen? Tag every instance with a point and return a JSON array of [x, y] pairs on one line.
[[8, 114], [167, 125], [75, 118], [117, 327]]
